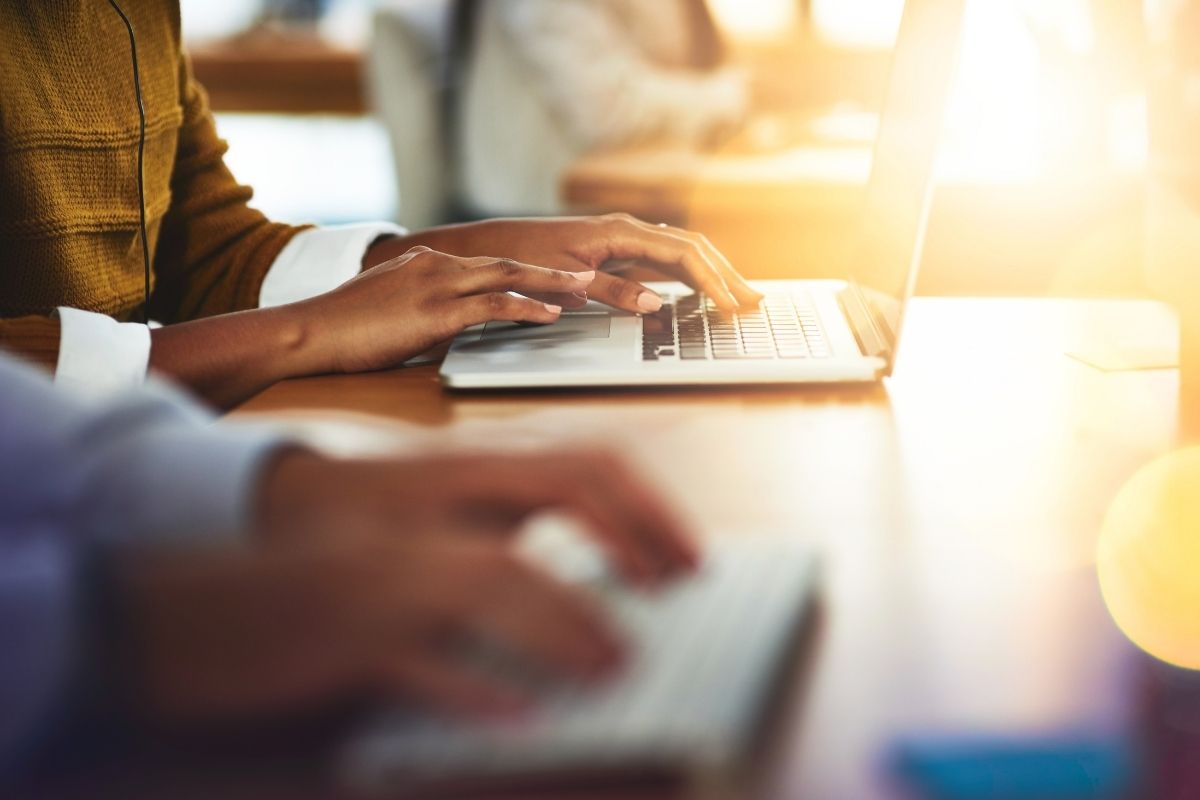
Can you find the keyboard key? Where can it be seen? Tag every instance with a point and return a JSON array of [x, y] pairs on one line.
[[692, 328]]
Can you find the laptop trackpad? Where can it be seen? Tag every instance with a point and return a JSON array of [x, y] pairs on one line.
[[570, 327]]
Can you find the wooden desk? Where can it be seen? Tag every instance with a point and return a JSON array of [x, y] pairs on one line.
[[296, 73], [956, 509]]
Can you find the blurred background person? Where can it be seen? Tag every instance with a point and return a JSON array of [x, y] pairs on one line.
[[543, 82]]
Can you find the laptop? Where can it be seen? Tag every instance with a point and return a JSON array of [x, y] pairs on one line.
[[707, 655], [805, 331]]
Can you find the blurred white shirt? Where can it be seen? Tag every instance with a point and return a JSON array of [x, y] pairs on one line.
[[552, 80]]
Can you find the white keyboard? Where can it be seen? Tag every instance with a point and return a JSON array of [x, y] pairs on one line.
[[703, 656], [691, 327]]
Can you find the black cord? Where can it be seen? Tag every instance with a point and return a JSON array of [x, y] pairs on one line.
[[137, 88]]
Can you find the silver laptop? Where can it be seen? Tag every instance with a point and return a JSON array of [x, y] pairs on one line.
[[805, 331]]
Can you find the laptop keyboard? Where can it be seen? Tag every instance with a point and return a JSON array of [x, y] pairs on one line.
[[704, 651], [691, 328]]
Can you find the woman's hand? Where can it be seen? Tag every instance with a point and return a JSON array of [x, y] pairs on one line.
[[214, 636], [410, 298], [306, 497], [586, 244], [421, 298]]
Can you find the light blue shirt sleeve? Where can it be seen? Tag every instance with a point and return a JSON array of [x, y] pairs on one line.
[[78, 475]]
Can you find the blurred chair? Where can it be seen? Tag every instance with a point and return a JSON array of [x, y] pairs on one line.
[[406, 84]]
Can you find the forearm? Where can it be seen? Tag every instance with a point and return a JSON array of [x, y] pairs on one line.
[[229, 358]]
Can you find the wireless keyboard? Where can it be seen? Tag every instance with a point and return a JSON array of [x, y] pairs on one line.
[[703, 657]]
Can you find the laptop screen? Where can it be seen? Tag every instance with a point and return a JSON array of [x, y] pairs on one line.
[[900, 189]]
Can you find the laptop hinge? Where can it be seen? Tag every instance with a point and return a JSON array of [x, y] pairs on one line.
[[862, 322]]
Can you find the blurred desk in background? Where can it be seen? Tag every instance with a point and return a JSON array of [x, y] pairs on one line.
[[956, 509], [293, 73]]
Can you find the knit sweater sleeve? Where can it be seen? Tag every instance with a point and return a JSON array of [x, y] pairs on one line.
[[33, 338], [214, 249]]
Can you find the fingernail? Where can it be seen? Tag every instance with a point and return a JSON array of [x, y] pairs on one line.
[[649, 302], [553, 309], [580, 295], [586, 277]]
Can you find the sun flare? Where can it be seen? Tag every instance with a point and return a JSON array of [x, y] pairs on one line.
[[1148, 556]]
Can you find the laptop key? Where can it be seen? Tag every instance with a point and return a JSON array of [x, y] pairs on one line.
[[742, 356], [692, 328]]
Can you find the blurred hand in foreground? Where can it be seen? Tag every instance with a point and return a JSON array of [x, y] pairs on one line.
[[227, 636], [308, 496], [382, 578]]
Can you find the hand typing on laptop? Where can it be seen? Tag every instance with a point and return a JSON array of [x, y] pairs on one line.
[[584, 244], [406, 305], [382, 577], [421, 289]]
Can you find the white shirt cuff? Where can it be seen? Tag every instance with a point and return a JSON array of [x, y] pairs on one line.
[[98, 355], [317, 260]]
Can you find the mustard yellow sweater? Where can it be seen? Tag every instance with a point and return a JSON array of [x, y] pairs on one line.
[[68, 176]]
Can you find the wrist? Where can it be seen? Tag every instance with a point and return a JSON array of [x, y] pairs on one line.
[[230, 357], [299, 341]]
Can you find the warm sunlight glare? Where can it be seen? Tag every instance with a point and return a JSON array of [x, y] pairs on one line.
[[857, 23], [755, 19], [994, 120], [1015, 107], [1148, 559], [1128, 137]]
